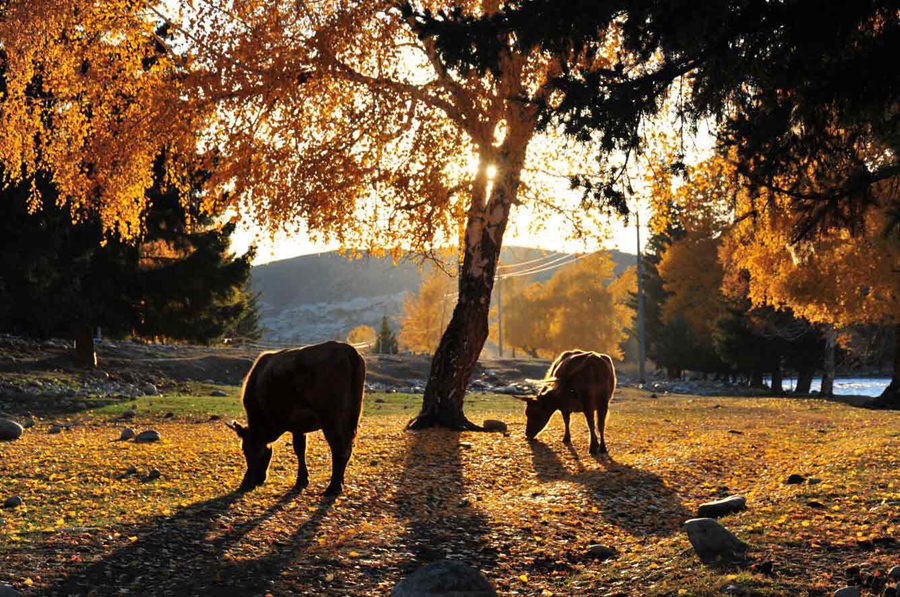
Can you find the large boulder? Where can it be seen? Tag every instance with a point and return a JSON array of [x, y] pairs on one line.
[[713, 542], [445, 578], [10, 430], [847, 592], [734, 503], [8, 591]]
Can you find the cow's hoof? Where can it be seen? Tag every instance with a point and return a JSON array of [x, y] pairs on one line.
[[333, 491], [298, 486], [603, 450]]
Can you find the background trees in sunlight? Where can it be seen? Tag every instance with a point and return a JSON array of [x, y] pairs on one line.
[[425, 315]]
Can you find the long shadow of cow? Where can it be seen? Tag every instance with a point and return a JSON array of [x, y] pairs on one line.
[[635, 500], [182, 554]]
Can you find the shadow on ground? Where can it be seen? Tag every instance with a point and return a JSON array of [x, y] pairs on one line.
[[635, 500]]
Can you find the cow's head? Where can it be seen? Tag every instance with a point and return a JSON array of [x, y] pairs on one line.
[[258, 456], [537, 414]]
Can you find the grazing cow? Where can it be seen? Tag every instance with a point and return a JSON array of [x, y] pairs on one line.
[[300, 390], [577, 381]]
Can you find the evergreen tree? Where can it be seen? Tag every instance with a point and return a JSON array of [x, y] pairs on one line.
[[387, 341]]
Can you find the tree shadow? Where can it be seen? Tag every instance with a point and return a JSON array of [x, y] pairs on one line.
[[441, 519], [632, 499], [182, 555]]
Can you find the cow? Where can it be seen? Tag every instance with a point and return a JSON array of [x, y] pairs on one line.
[[300, 390], [577, 381]]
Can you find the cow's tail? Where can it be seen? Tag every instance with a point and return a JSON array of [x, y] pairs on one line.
[[358, 388], [611, 382]]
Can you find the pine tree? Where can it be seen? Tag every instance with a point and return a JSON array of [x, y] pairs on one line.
[[387, 341]]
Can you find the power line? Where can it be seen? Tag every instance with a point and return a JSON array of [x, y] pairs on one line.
[[544, 258]]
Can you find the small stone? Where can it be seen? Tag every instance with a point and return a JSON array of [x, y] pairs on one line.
[[10, 430], [600, 552], [713, 542], [218, 394], [495, 425], [28, 423], [813, 481], [466, 445], [847, 592], [12, 502], [734, 503], [464, 503], [735, 432], [151, 435], [169, 415], [379, 401], [81, 406], [127, 433], [131, 470], [214, 417], [654, 395], [128, 414], [149, 389], [54, 429], [445, 577], [794, 479], [734, 590], [153, 474], [895, 573]]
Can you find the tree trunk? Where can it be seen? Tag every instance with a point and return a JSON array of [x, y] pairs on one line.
[[462, 341], [828, 375], [85, 355], [804, 381], [777, 378], [890, 398], [756, 379]]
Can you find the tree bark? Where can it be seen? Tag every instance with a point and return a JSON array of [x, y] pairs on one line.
[[85, 355], [777, 377], [828, 375], [804, 381], [756, 379], [462, 341], [890, 398]]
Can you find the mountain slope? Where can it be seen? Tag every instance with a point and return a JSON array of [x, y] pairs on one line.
[[320, 297]]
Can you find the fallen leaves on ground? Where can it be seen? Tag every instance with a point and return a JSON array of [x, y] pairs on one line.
[[522, 512]]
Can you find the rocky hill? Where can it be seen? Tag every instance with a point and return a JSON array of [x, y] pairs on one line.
[[319, 297]]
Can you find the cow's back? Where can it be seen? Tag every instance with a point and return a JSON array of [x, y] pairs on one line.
[[590, 375], [290, 384]]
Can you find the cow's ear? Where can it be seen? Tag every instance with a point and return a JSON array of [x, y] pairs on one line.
[[238, 428]]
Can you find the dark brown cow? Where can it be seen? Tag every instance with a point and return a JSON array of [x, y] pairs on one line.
[[300, 390], [577, 381]]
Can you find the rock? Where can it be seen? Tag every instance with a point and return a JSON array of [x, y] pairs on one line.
[[895, 573], [214, 417], [54, 429], [601, 552], [8, 591], [379, 401], [794, 480], [153, 474], [495, 425], [218, 394], [445, 578], [813, 481], [10, 430], [734, 590], [127, 433], [734, 503], [12, 502], [713, 542], [144, 437], [131, 470], [28, 423], [466, 445], [847, 592], [81, 406], [149, 389], [169, 415], [128, 414]]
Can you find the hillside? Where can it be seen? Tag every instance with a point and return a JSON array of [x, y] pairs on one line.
[[318, 297]]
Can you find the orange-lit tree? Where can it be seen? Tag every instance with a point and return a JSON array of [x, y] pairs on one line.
[[342, 116]]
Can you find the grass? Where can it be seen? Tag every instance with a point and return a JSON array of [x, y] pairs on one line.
[[522, 512]]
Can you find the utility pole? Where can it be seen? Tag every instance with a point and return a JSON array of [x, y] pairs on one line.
[[640, 302], [500, 315]]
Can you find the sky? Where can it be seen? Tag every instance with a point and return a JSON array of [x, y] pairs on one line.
[[286, 246]]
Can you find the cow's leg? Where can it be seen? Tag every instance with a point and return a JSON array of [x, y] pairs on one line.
[[567, 438], [601, 423], [341, 448], [595, 445], [300, 451]]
